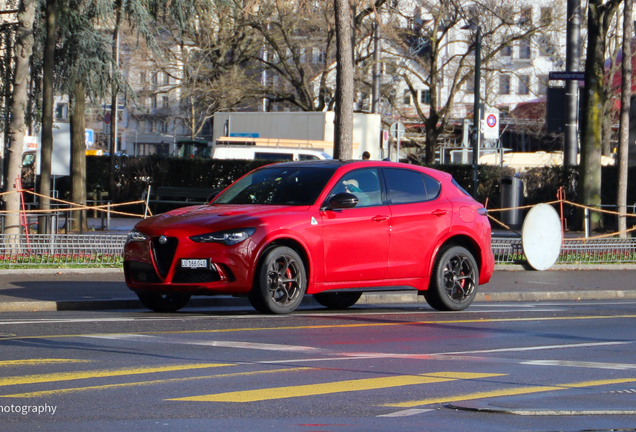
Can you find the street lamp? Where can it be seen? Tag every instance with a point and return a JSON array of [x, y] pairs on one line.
[[476, 108]]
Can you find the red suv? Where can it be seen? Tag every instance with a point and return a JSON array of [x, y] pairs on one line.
[[333, 229]]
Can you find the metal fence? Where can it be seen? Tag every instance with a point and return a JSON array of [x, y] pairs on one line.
[[591, 251], [97, 250], [61, 249]]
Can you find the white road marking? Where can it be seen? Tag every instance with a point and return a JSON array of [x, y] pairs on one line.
[[456, 355], [225, 344], [581, 364], [406, 413], [539, 347]]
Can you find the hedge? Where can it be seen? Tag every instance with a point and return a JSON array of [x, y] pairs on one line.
[[134, 174]]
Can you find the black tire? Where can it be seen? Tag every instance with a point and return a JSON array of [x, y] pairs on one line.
[[280, 283], [160, 302], [454, 280], [338, 300]]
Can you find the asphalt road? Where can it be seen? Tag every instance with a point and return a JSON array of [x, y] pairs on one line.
[[565, 366]]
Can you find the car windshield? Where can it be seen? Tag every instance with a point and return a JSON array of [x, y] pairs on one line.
[[283, 185]]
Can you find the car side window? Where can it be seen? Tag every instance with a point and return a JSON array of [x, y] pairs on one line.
[[405, 186], [364, 184], [432, 187]]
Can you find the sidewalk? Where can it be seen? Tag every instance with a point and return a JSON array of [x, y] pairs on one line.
[[104, 289]]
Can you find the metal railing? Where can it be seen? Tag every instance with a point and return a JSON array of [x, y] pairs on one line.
[[591, 251], [107, 250], [61, 249]]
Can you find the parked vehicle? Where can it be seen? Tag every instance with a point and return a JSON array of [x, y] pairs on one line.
[[331, 228], [268, 153]]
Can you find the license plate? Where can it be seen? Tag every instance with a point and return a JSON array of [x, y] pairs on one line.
[[194, 263]]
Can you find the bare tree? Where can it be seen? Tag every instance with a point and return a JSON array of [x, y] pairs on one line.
[[626, 93], [599, 18], [434, 49], [17, 126], [343, 131]]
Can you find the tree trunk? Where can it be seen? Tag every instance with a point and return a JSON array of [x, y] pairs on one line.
[[113, 101], [78, 156], [47, 112], [343, 131], [17, 126], [599, 17], [626, 93]]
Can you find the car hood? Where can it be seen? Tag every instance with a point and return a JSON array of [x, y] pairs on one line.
[[205, 217]]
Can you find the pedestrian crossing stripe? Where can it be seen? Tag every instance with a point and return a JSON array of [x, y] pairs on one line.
[[68, 376], [515, 391], [47, 393], [335, 387], [38, 362]]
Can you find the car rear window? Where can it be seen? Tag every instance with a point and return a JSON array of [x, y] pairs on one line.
[[291, 185]]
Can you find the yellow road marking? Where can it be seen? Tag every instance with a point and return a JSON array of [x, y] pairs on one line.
[[333, 387], [30, 362], [319, 327], [144, 383], [509, 392], [69, 376]]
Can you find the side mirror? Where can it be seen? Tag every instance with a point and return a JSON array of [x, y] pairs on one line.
[[213, 195], [342, 200]]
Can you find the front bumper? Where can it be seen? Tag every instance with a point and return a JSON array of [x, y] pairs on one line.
[[152, 266]]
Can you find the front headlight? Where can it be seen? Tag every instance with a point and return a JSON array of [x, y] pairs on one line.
[[227, 237], [135, 236]]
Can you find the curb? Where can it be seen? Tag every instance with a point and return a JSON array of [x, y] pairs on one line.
[[366, 299], [498, 267], [487, 408]]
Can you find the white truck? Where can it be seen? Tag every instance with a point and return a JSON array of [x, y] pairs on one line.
[[300, 130]]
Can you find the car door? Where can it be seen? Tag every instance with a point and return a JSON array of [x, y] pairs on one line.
[[357, 239], [418, 220]]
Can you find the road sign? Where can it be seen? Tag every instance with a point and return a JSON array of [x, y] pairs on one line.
[[89, 137], [107, 118], [491, 126], [397, 130], [567, 76]]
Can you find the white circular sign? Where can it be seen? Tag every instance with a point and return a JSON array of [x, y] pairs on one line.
[[541, 236], [491, 120]]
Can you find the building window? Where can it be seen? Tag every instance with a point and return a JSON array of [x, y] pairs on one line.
[[524, 48], [155, 78], [547, 17], [406, 100], [153, 101], [142, 78], [542, 85], [61, 111], [164, 126], [166, 78], [470, 84], [425, 97], [525, 16], [524, 85], [504, 84], [506, 50], [150, 126], [165, 102]]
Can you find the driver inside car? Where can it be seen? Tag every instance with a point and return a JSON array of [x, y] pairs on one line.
[[352, 187]]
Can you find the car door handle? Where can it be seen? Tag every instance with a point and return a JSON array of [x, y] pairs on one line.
[[380, 218], [439, 212]]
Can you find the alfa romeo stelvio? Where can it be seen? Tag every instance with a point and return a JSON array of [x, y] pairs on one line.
[[332, 229]]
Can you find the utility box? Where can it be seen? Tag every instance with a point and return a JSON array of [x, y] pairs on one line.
[[512, 196]]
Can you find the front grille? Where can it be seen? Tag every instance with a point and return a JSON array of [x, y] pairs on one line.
[[164, 254], [141, 272], [197, 276]]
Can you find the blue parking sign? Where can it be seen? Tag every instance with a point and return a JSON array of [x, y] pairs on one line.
[[89, 137]]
